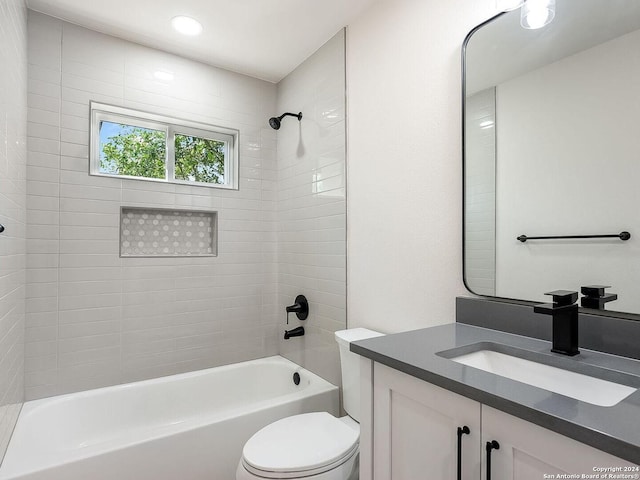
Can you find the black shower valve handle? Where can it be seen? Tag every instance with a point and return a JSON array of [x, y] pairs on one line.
[[300, 308]]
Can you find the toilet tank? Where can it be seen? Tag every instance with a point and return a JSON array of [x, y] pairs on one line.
[[350, 365]]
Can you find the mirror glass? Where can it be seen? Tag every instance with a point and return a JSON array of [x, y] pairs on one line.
[[552, 148]]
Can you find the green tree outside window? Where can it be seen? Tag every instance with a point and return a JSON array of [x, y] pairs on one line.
[[141, 152]]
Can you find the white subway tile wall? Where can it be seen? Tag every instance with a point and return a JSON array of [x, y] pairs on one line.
[[312, 208], [93, 318], [13, 214], [480, 200]]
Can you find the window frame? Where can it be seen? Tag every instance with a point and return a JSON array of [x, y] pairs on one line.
[[100, 112]]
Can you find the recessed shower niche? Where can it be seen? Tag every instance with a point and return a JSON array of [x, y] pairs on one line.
[[153, 232]]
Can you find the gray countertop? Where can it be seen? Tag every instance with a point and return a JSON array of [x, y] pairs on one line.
[[615, 430]]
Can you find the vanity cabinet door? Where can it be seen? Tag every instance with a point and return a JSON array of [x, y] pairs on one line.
[[415, 430], [530, 452]]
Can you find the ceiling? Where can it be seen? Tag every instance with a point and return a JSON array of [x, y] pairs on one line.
[[266, 39], [502, 49]]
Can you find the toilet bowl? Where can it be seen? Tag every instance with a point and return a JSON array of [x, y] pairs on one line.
[[313, 446]]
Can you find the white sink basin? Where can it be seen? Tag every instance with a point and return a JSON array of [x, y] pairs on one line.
[[575, 385]]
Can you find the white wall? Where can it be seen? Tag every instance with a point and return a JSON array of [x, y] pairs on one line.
[[560, 158], [96, 319], [404, 161], [311, 207], [13, 164]]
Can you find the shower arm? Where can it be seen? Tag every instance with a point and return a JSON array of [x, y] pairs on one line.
[[297, 115]]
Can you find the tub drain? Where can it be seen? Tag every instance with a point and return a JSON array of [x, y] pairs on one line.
[[296, 378]]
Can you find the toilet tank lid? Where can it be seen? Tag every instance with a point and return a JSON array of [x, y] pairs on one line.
[[345, 337]]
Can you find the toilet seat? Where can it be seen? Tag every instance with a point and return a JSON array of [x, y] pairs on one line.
[[300, 446]]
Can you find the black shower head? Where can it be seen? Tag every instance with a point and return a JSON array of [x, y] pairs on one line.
[[274, 122]]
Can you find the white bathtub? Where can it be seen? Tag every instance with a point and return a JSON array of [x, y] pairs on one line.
[[183, 427]]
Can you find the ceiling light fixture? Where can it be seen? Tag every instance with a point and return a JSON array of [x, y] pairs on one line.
[[537, 13], [186, 25]]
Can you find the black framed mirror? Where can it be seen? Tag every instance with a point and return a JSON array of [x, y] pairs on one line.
[[552, 149]]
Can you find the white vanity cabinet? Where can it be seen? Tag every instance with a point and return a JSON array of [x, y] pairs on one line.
[[529, 452], [413, 434], [415, 429]]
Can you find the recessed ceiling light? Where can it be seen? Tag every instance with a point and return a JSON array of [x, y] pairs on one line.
[[186, 25]]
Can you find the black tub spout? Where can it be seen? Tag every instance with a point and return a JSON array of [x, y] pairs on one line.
[[296, 332]]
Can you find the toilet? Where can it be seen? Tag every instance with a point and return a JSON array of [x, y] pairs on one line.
[[313, 446]]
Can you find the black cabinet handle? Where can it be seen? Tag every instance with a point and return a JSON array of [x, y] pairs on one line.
[[461, 431], [492, 445], [1, 228]]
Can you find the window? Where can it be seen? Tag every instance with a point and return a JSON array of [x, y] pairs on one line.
[[145, 146]]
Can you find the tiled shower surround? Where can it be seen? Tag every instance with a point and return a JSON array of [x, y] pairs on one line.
[[95, 318], [312, 206], [13, 164]]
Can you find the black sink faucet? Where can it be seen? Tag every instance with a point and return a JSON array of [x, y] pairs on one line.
[[564, 313], [595, 296]]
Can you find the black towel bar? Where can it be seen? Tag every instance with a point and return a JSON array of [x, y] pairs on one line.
[[622, 236]]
